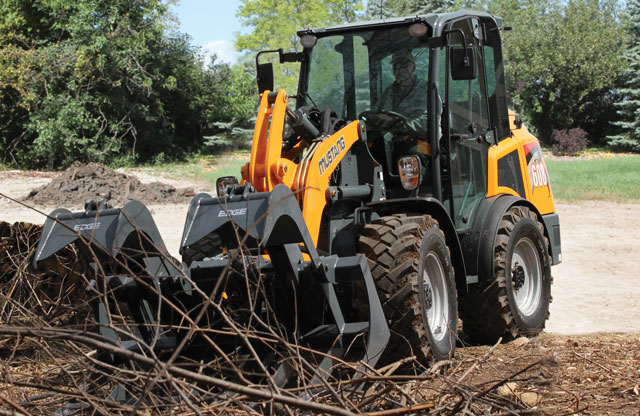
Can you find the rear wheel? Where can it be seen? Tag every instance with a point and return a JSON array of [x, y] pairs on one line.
[[411, 266], [516, 301]]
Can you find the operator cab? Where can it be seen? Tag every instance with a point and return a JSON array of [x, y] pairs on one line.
[[380, 76], [430, 87], [452, 104]]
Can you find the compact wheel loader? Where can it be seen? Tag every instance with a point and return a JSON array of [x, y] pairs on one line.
[[393, 194]]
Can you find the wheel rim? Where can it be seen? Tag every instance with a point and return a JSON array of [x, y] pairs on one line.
[[526, 276], [435, 296]]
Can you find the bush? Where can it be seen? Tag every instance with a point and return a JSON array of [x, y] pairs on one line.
[[569, 142], [108, 81]]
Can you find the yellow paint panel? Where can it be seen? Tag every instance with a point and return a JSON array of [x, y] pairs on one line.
[[535, 177], [267, 141], [325, 160]]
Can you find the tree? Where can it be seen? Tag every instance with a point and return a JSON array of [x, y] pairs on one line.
[[106, 80], [91, 77], [559, 56], [275, 23], [381, 9], [628, 103]]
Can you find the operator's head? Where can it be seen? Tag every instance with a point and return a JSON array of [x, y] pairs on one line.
[[404, 65]]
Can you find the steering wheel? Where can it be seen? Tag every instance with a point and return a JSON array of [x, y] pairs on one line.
[[382, 120]]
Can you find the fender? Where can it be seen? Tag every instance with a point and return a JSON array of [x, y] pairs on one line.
[[495, 210], [424, 205]]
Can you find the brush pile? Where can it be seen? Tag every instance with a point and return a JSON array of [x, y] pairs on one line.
[[51, 358]]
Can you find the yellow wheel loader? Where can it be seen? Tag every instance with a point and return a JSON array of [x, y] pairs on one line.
[[393, 194]]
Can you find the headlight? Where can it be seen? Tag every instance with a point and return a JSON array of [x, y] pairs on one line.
[[308, 41], [409, 169], [418, 29]]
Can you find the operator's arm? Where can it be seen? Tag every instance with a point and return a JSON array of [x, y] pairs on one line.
[[414, 127]]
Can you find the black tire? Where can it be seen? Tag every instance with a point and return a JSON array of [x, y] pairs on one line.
[[400, 249], [516, 301], [209, 246]]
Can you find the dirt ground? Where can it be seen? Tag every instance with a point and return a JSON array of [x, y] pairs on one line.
[[595, 374], [587, 362]]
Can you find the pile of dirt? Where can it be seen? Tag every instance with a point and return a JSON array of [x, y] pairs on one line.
[[81, 183]]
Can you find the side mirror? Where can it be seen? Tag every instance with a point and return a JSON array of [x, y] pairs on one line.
[[462, 63], [265, 77], [265, 71]]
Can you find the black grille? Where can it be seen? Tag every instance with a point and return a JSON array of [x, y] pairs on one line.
[[509, 173]]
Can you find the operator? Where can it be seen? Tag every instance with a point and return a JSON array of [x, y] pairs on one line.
[[407, 96]]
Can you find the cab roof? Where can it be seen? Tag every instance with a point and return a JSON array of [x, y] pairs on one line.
[[433, 20]]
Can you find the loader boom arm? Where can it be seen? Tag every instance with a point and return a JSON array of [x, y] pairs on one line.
[[307, 170]]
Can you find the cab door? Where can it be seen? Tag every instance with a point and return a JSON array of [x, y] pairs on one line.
[[466, 123]]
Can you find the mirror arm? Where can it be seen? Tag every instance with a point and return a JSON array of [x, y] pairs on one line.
[[291, 56], [279, 51], [445, 33], [284, 57], [438, 42]]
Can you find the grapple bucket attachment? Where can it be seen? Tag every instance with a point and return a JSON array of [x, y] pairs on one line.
[[262, 290], [106, 229], [131, 266]]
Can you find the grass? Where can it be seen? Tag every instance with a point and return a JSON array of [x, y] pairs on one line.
[[601, 179], [198, 167], [594, 175], [213, 167]]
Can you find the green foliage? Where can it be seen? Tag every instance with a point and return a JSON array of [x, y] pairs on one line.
[[274, 25], [231, 93], [612, 179], [380, 9], [106, 80], [560, 57], [65, 126], [628, 104], [234, 135]]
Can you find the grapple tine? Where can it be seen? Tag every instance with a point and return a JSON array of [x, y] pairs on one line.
[[105, 229]]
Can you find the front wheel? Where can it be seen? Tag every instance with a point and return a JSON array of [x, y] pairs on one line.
[[411, 266]]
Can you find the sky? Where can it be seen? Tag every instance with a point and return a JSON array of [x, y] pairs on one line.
[[211, 24]]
